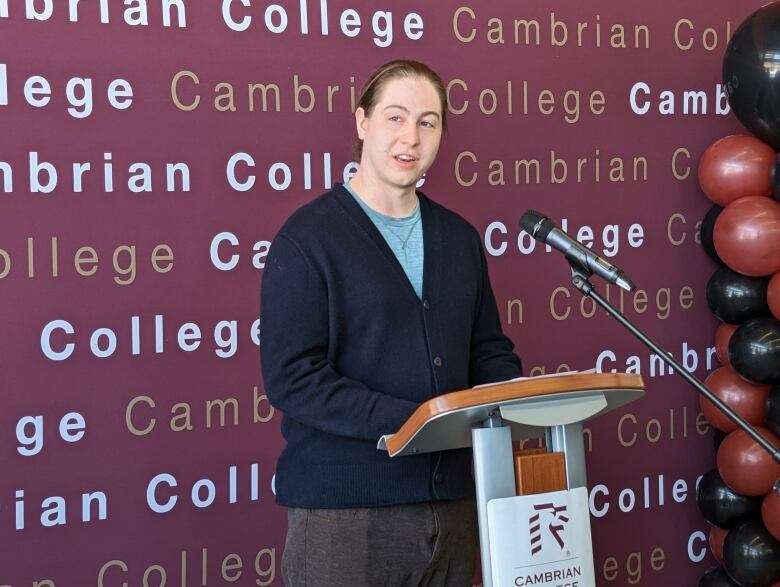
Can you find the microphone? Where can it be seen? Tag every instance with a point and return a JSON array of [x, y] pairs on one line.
[[544, 230]]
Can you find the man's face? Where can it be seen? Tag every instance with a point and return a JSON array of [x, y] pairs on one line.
[[402, 135]]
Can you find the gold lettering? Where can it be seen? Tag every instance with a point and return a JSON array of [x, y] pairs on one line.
[[496, 175], [702, 425], [587, 435], [264, 89], [616, 170], [129, 416], [222, 406], [634, 567], [155, 568], [662, 304], [640, 301], [181, 417], [450, 102], [557, 26], [266, 574], [618, 37], [262, 399], [128, 270], [331, 90], [85, 256], [458, 35], [517, 306], [298, 88], [686, 297], [527, 164], [6, 263], [610, 568], [680, 45], [175, 91], [495, 34], [657, 559], [224, 102], [113, 563], [527, 25], [622, 439], [458, 176], [546, 102], [557, 315], [676, 217], [232, 562], [681, 175], [162, 254]]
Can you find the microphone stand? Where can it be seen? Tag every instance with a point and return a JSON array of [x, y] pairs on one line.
[[579, 277]]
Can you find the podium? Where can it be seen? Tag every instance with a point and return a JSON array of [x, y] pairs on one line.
[[489, 418]]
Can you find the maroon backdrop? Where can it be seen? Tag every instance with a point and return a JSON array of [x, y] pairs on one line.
[[143, 178]]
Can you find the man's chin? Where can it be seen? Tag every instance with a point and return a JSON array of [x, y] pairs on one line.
[[408, 182]]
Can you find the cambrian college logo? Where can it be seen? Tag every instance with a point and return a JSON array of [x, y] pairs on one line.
[[556, 526]]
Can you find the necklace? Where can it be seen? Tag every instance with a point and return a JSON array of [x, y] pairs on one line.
[[404, 240]]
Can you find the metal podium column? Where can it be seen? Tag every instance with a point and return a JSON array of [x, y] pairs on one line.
[[494, 476], [568, 440]]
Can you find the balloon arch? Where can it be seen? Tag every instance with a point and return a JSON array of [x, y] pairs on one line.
[[740, 174]]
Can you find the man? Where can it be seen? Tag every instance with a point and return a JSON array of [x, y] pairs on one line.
[[376, 299]]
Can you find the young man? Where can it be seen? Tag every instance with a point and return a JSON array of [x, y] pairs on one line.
[[376, 299]]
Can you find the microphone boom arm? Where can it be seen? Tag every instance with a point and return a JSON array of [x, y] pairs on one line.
[[579, 277]]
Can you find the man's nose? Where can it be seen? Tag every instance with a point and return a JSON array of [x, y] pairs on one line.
[[411, 133]]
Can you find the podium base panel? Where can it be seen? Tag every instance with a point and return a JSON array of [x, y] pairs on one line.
[[541, 540]]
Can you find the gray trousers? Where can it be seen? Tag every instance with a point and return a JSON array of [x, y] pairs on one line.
[[410, 545]]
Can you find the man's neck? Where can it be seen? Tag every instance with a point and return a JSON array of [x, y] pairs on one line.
[[396, 203]]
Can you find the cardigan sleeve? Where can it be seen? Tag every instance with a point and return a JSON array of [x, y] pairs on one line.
[[492, 358], [299, 378]]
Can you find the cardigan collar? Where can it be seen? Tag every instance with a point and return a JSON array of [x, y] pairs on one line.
[[432, 239]]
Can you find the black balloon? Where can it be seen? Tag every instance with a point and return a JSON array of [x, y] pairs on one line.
[[750, 68], [754, 350], [751, 556], [735, 298], [776, 179], [707, 227], [773, 410], [716, 577], [718, 437], [721, 506]]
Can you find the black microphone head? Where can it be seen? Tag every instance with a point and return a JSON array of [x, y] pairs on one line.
[[530, 220], [537, 225]]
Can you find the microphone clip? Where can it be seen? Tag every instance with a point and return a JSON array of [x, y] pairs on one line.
[[580, 274]]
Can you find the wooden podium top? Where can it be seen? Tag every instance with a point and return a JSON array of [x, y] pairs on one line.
[[519, 392]]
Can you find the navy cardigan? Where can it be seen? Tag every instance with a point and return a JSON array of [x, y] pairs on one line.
[[349, 351]]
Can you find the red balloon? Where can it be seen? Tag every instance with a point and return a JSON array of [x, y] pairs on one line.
[[716, 538], [773, 295], [745, 398], [770, 511], [722, 337], [747, 236], [735, 167], [745, 466]]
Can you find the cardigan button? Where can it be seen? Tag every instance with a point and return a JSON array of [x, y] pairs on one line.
[[437, 361], [438, 478], [426, 304]]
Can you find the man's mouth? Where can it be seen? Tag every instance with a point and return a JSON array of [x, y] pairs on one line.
[[405, 158]]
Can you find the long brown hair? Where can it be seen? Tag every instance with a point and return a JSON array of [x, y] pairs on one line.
[[396, 69]]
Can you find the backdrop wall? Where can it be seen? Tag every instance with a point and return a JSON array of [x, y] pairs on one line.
[[149, 152]]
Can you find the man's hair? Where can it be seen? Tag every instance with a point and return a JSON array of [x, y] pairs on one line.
[[399, 68]]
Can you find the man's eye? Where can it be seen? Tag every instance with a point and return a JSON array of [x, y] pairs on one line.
[[427, 124], [395, 118]]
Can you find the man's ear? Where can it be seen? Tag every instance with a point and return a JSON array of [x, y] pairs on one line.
[[361, 120]]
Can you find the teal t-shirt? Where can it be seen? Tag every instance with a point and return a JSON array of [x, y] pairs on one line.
[[404, 236]]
